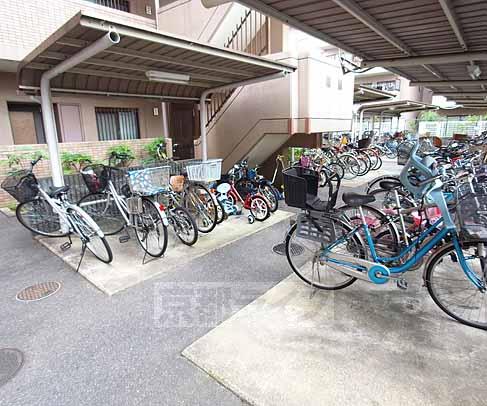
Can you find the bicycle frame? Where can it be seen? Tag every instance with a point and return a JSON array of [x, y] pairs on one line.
[[61, 208], [422, 252]]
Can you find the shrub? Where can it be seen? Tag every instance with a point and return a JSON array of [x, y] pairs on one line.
[[151, 149], [120, 155], [75, 161]]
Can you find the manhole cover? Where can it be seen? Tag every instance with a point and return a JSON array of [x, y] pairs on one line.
[[10, 362], [280, 249], [38, 291]]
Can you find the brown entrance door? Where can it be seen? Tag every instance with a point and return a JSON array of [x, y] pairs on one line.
[[182, 130]]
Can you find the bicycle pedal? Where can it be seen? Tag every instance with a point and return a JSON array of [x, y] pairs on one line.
[[66, 246], [123, 239], [402, 284]]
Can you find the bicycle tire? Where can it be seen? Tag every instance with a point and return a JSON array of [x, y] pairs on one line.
[[351, 166], [105, 212], [150, 220], [180, 215], [270, 196], [90, 233], [448, 252], [296, 248], [259, 208], [203, 210], [42, 218]]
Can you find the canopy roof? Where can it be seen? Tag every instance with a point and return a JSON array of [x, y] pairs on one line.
[[430, 42], [121, 69], [396, 107], [364, 94]]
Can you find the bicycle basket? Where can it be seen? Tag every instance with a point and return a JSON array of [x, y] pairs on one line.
[[95, 177], [149, 181], [299, 184], [206, 171], [317, 228], [471, 213], [21, 185]]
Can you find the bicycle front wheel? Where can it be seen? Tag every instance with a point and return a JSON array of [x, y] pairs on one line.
[[150, 229], [39, 217], [90, 234], [304, 257], [103, 209], [200, 204], [184, 225], [452, 290]]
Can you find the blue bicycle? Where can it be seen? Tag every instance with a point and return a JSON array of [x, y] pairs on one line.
[[335, 253]]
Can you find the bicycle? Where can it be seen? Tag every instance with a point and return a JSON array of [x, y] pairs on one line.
[[134, 208], [50, 214], [194, 195], [455, 274]]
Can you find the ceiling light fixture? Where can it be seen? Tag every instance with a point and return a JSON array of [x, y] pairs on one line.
[[474, 71], [167, 77]]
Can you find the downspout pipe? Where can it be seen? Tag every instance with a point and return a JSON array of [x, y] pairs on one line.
[[207, 92], [109, 39]]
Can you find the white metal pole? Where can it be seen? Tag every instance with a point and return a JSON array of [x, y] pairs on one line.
[[207, 92], [109, 39]]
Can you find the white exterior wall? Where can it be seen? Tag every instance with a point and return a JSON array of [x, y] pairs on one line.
[[24, 24]]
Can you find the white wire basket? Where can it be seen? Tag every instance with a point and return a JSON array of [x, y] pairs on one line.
[[150, 181], [206, 171]]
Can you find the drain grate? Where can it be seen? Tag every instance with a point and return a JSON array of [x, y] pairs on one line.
[[280, 249], [11, 361], [38, 291]]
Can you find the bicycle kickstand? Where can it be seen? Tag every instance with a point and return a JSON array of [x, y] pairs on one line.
[[83, 251]]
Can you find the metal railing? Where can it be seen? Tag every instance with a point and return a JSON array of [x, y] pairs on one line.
[[251, 35], [122, 5]]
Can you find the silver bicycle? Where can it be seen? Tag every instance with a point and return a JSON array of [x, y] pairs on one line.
[[50, 214], [133, 207]]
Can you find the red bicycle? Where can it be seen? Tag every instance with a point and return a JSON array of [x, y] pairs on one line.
[[232, 200]]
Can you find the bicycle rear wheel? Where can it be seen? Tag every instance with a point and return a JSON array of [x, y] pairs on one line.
[[40, 218], [150, 230], [90, 234], [303, 256], [259, 208], [450, 288], [103, 209], [200, 204]]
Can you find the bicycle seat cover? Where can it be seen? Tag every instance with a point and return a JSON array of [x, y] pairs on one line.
[[356, 199], [56, 191]]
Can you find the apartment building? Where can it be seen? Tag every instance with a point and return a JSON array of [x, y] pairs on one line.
[[399, 89], [253, 121], [79, 119]]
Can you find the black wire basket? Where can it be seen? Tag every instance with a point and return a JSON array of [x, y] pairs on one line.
[[299, 185], [21, 185], [471, 215], [96, 177]]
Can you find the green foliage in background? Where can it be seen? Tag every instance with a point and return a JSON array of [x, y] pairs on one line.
[[121, 155], [15, 161], [429, 115], [73, 162], [151, 150]]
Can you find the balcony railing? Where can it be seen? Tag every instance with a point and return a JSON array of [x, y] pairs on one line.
[[122, 5], [250, 35]]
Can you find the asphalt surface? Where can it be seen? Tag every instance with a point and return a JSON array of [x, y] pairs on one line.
[[83, 347]]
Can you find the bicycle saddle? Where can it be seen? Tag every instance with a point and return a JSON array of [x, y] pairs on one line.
[[56, 191], [356, 199], [390, 184], [315, 203]]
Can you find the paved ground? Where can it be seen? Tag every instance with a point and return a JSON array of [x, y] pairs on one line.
[[85, 348], [364, 345], [128, 267]]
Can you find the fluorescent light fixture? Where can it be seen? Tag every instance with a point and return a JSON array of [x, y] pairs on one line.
[[474, 71], [167, 77]]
